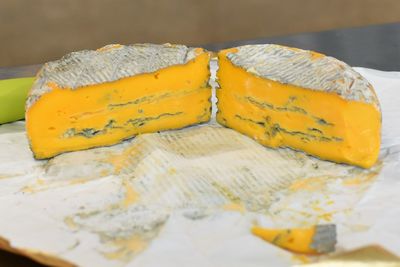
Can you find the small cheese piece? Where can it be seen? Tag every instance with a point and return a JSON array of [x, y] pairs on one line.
[[288, 97], [313, 240], [97, 98]]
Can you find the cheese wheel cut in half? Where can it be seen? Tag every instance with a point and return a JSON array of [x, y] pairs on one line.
[[99, 98], [288, 97]]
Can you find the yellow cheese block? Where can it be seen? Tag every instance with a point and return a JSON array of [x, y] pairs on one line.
[[97, 98], [287, 97], [312, 240]]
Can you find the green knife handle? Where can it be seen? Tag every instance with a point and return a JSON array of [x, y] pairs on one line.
[[13, 94]]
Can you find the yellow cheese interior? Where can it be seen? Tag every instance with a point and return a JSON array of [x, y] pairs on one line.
[[296, 240], [281, 115], [104, 114]]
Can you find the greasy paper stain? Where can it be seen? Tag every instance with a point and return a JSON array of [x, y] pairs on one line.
[[126, 247], [309, 200], [198, 171], [234, 207], [131, 196]]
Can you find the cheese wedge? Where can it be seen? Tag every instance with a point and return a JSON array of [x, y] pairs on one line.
[[312, 240], [287, 97], [98, 98]]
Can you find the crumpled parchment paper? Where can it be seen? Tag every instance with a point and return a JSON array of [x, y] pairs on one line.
[[189, 197]]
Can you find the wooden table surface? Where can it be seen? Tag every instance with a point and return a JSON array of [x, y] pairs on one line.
[[376, 47]]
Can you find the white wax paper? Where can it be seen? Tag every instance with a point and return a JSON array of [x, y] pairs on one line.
[[190, 197]]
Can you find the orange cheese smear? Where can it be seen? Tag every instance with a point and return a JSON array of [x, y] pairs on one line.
[[105, 114], [282, 115]]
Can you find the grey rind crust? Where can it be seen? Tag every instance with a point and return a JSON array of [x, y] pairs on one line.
[[324, 239], [107, 64], [302, 68]]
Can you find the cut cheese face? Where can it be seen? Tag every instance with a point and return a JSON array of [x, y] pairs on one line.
[[286, 97], [98, 98]]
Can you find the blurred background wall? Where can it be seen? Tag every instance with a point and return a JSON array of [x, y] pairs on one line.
[[35, 31]]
